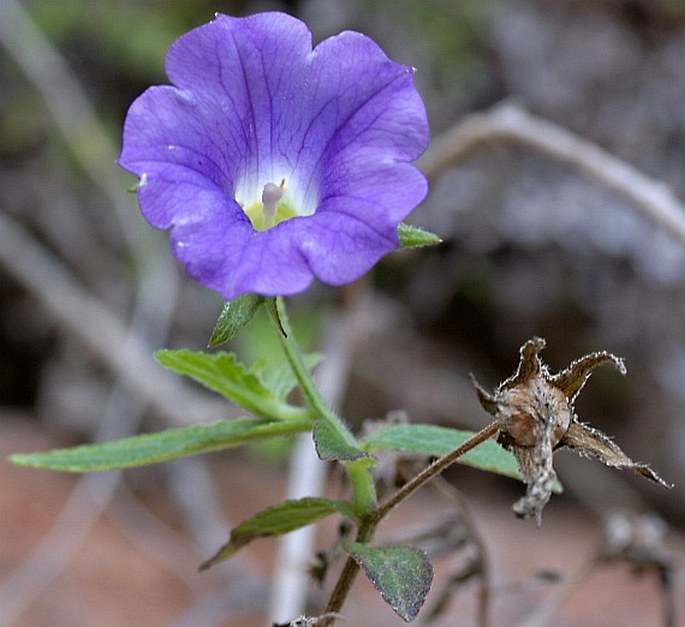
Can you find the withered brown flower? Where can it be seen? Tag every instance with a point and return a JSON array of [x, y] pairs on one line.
[[535, 410]]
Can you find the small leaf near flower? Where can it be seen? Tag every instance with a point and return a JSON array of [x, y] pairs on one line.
[[416, 237], [536, 412], [235, 315]]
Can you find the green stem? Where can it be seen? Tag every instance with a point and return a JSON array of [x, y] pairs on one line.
[[363, 488], [317, 405], [364, 495]]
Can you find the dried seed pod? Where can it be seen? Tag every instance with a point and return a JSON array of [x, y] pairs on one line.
[[535, 409]]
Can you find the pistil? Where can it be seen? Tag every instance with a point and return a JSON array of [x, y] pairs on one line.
[[270, 196]]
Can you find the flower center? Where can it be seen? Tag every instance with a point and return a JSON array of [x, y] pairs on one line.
[[273, 209]]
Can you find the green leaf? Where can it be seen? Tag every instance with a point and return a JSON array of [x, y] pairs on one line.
[[152, 448], [331, 445], [235, 315], [276, 521], [415, 237], [223, 373], [402, 574], [437, 441]]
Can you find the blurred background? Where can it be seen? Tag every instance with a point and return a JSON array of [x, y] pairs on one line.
[[533, 246]]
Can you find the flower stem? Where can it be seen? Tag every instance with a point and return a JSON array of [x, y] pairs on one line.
[[317, 405], [364, 493]]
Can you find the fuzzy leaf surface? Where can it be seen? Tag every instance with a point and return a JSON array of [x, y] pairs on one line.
[[223, 373], [402, 574], [416, 237], [331, 446]]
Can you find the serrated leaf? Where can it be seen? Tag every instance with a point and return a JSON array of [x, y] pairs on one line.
[[424, 439], [276, 521], [235, 315], [152, 448], [402, 574], [331, 445], [416, 237], [223, 373]]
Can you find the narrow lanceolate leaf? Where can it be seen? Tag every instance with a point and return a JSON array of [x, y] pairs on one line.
[[276, 521], [402, 574], [223, 373], [235, 315], [415, 237], [436, 441], [331, 445], [152, 448]]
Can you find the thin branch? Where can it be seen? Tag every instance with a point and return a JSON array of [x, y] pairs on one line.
[[434, 469], [509, 123]]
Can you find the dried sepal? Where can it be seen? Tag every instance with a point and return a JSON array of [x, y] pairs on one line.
[[535, 465], [535, 409], [487, 401], [572, 379], [590, 442], [530, 363]]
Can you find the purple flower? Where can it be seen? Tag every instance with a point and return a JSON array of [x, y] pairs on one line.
[[273, 163]]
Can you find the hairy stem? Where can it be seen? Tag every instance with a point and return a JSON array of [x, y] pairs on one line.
[[315, 402]]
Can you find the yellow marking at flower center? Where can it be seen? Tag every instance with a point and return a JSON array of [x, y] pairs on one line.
[[272, 210]]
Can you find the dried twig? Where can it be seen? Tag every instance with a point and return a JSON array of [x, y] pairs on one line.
[[509, 123], [97, 326]]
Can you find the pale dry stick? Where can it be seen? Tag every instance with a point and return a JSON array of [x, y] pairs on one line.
[[509, 123], [42, 274], [97, 327], [70, 107], [450, 493], [307, 472]]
